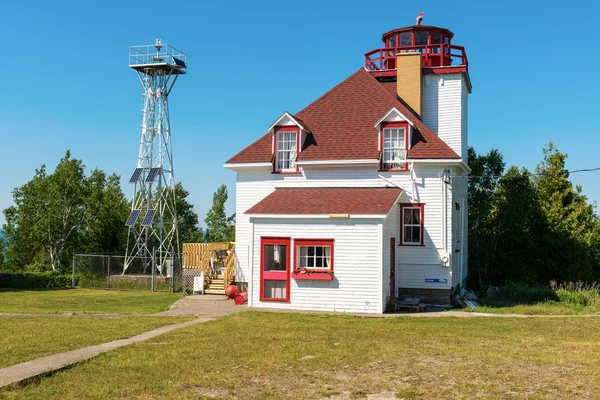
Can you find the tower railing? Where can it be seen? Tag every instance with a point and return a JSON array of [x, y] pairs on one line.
[[149, 55], [435, 55]]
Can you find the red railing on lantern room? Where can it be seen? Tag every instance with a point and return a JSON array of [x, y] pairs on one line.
[[437, 55]]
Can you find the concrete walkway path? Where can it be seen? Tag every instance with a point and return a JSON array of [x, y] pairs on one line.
[[206, 308]]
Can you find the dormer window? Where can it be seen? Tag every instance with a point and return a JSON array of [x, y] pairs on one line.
[[394, 146], [286, 148]]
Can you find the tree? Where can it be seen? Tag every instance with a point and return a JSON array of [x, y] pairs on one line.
[[529, 227], [485, 173], [518, 226], [22, 228], [107, 209], [57, 214], [187, 219], [219, 227], [572, 222]]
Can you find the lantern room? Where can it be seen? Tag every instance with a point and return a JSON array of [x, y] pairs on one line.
[[435, 45]]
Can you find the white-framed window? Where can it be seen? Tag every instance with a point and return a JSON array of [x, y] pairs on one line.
[[394, 148], [314, 254], [411, 224], [286, 150]]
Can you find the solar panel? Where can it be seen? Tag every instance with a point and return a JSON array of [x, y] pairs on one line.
[[136, 175], [133, 217], [148, 218], [152, 174], [179, 62]]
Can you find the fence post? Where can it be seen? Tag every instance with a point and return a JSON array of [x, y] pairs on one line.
[[73, 275], [108, 279], [153, 266]]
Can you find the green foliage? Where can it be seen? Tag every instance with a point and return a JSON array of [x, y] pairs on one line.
[[107, 209], [35, 280], [187, 219], [60, 213], [526, 227], [525, 294], [220, 228]]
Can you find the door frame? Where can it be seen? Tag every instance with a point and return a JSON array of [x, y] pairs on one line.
[[271, 240]]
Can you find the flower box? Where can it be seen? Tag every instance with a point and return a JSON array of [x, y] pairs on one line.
[[314, 276]]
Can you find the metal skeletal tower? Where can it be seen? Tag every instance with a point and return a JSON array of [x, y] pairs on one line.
[[153, 235]]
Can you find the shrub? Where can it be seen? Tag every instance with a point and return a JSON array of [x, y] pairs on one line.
[[577, 293], [523, 293], [35, 280]]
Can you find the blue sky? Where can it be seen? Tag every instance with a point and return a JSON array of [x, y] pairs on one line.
[[66, 82]]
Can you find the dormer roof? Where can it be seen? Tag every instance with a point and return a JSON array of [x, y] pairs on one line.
[[342, 126]]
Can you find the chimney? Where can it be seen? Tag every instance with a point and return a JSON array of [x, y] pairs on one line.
[[409, 73]]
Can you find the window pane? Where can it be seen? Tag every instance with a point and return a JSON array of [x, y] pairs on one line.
[[406, 39], [407, 234], [303, 252], [421, 38], [416, 212], [269, 289], [436, 37], [416, 234], [392, 41], [275, 257], [280, 290], [274, 289]]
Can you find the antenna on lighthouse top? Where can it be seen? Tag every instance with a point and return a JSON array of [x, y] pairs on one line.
[[419, 18], [158, 45]]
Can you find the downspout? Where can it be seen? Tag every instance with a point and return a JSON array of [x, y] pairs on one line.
[[462, 240]]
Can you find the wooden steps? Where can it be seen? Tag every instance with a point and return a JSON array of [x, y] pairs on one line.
[[215, 283]]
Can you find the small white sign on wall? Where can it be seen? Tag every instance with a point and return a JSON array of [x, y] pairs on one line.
[[199, 283], [436, 274]]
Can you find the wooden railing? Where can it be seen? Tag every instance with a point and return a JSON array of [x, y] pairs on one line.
[[198, 255], [229, 274], [435, 55]]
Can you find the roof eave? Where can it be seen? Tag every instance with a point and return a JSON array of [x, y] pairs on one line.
[[453, 161], [317, 216], [236, 166]]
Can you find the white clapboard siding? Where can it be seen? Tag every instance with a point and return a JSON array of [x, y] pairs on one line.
[[253, 186], [444, 108], [391, 229], [356, 286]]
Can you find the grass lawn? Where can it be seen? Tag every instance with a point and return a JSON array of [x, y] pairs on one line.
[[27, 338], [542, 308], [84, 301], [253, 355]]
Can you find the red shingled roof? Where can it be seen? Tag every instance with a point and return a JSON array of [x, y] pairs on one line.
[[375, 201], [341, 124]]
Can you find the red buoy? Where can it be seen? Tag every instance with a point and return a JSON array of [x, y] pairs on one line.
[[231, 291], [241, 298]]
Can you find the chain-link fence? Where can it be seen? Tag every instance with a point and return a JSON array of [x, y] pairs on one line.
[[108, 272]]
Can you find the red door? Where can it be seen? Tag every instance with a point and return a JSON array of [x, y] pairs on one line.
[[274, 269]]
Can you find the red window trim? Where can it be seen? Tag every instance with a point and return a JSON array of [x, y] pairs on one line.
[[393, 124], [275, 240], [411, 205], [285, 128], [314, 242]]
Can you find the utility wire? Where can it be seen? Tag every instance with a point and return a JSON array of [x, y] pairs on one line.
[[574, 171]]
